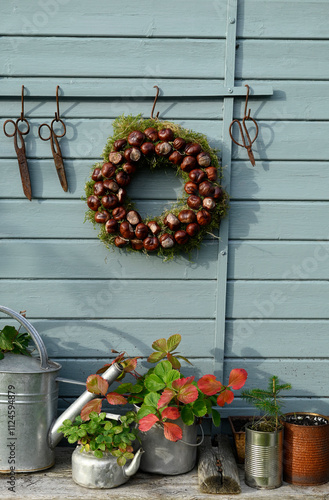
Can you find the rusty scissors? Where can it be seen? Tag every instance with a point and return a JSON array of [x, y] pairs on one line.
[[55, 149], [20, 149], [245, 137]]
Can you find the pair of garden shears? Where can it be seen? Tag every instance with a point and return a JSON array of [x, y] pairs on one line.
[[245, 137]]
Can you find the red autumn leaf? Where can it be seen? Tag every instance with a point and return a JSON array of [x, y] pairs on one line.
[[147, 422], [171, 412], [237, 379], [166, 397], [209, 385], [116, 399], [130, 364], [187, 392], [97, 384], [172, 432], [93, 405], [226, 396]]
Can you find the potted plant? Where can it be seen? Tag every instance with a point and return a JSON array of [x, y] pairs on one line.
[[264, 437], [306, 449], [14, 342], [169, 406]]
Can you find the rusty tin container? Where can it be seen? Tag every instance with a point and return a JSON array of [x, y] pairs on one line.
[[306, 452]]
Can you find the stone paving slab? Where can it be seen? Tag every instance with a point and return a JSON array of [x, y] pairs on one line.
[[56, 484]]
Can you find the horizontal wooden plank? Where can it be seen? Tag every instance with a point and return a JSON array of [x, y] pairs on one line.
[[279, 180], [308, 378], [277, 299], [86, 138], [117, 298], [276, 338], [276, 260], [79, 17], [279, 220], [289, 59], [282, 19], [112, 57], [81, 258], [94, 338]]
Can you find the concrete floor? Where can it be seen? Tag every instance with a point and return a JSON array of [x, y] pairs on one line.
[[56, 484]]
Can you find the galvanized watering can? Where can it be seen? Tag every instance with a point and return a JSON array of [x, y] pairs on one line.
[[28, 406]]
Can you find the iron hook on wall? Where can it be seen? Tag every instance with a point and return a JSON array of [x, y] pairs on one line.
[[155, 101]]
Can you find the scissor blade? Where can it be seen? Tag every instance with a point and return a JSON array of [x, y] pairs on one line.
[[25, 176], [251, 157], [60, 171]]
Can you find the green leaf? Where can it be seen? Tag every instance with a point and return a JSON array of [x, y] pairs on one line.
[[171, 376], [116, 453], [98, 454], [117, 429], [145, 410], [160, 345], [7, 336], [155, 357], [162, 369], [173, 342], [108, 426], [154, 383], [187, 415], [124, 388], [199, 408], [152, 399], [121, 461], [216, 418], [73, 439]]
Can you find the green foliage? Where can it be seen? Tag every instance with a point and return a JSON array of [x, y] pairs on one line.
[[13, 341], [267, 400], [100, 435]]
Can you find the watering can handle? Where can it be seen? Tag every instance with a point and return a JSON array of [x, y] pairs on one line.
[[34, 334]]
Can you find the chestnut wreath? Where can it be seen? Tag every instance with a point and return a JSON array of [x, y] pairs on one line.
[[157, 144]]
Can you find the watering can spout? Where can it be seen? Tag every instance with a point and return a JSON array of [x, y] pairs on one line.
[[73, 411], [131, 469]]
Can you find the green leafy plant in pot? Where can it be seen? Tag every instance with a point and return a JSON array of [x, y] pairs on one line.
[[14, 342], [169, 406], [264, 437]]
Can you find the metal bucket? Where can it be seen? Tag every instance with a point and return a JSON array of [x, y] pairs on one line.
[[263, 461], [167, 457]]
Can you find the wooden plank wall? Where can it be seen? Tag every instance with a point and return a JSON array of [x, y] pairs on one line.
[[106, 57]]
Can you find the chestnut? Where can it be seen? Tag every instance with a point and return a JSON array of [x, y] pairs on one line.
[[181, 237], [111, 185], [120, 242], [197, 175], [99, 189], [97, 175], [206, 188], [203, 159], [111, 226], [109, 201], [136, 244], [187, 216], [172, 222], [121, 194], [194, 201], [141, 231], [132, 154], [151, 243], [166, 240], [129, 168], [203, 217], [218, 193], [136, 138], [122, 179], [127, 230], [176, 158], [115, 157], [193, 149], [191, 188], [133, 217], [119, 144], [192, 229], [154, 227], [209, 203], [108, 170], [179, 143], [102, 217], [93, 202], [166, 134], [188, 164], [148, 148], [119, 213], [151, 134], [163, 149], [211, 173]]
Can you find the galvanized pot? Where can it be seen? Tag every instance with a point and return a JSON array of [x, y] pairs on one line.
[[28, 406], [167, 457], [92, 472], [263, 460], [306, 452]]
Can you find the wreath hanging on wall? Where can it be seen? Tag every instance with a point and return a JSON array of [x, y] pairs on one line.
[[154, 143]]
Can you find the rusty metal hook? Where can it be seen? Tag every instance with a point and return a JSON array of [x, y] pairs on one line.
[[22, 100], [155, 101], [57, 113], [247, 116]]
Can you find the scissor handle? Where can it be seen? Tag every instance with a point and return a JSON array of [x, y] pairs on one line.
[[40, 134], [63, 125], [241, 132], [247, 133], [16, 129]]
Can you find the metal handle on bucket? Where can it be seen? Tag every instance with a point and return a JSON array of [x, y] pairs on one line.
[[34, 334], [194, 444]]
